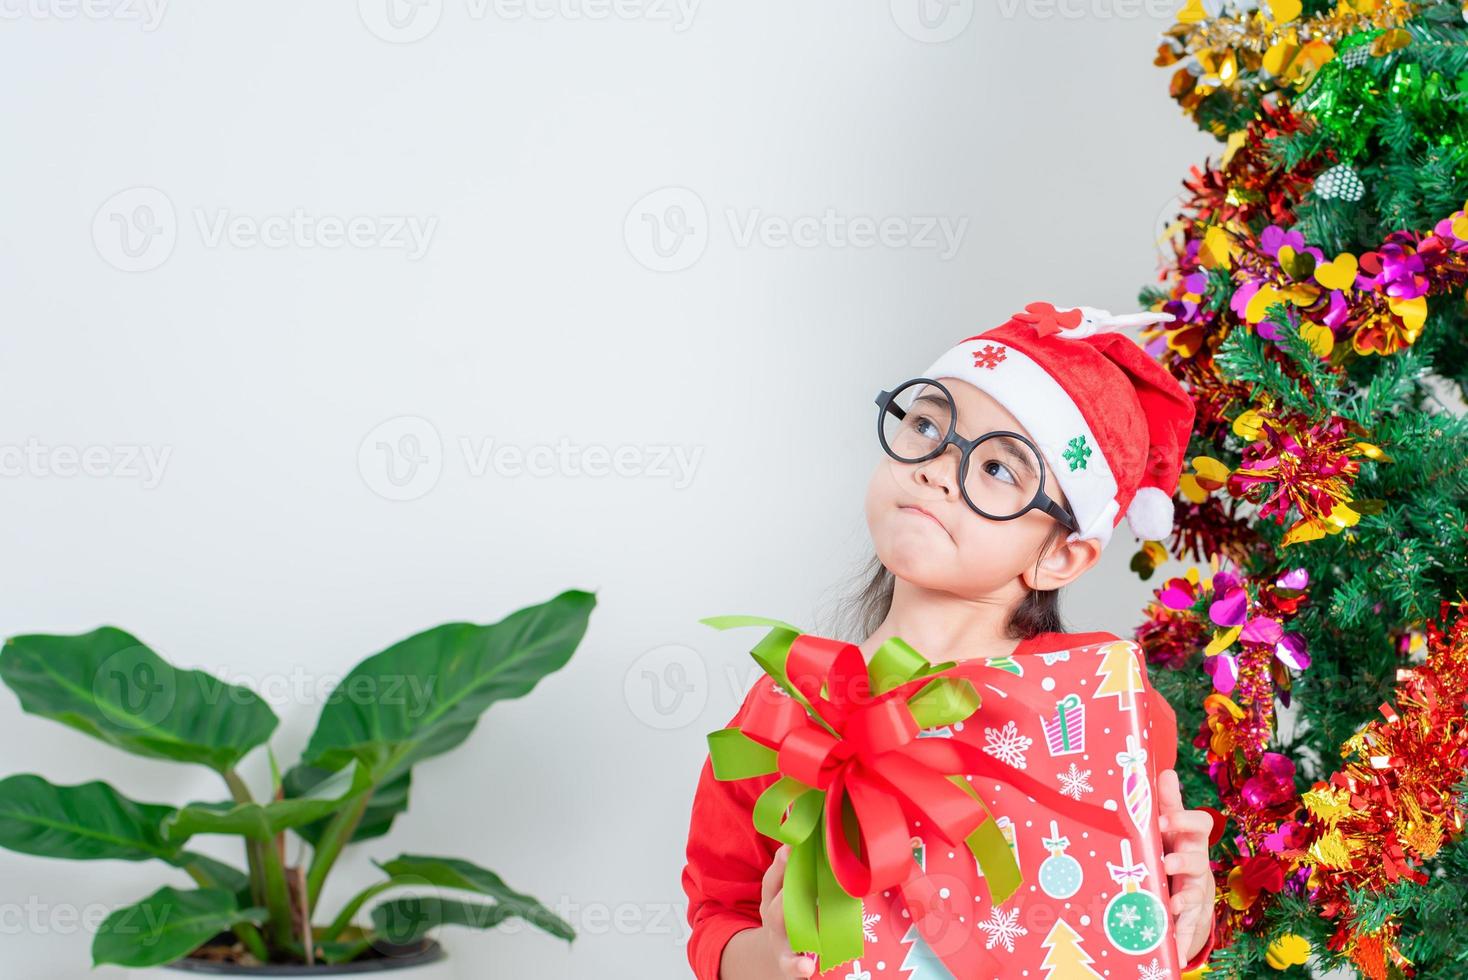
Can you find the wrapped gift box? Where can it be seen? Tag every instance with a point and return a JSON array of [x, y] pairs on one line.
[[1091, 904], [1000, 810]]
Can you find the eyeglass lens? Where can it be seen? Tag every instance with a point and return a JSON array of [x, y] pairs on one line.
[[1003, 472]]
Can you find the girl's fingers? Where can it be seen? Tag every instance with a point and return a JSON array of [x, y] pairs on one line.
[[1184, 900], [1191, 822], [797, 964], [774, 875], [1169, 793], [1185, 862]]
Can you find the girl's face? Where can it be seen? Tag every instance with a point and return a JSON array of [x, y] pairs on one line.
[[927, 535]]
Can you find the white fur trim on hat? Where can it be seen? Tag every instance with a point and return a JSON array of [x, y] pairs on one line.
[[1053, 420]]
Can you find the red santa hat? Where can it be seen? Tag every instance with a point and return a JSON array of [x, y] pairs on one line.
[[1111, 422]]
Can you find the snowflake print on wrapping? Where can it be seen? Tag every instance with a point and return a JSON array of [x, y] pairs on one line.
[[1003, 928], [1151, 971], [1075, 782], [868, 920], [857, 973], [1007, 744], [989, 356], [1051, 659]]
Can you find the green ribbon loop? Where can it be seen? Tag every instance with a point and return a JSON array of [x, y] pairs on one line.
[[894, 663], [786, 794], [735, 755]]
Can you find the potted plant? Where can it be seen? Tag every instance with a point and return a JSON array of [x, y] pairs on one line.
[[416, 699]]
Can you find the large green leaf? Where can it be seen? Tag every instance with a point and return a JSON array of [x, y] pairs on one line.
[[409, 919], [166, 925], [109, 685], [212, 873], [464, 876], [423, 695], [85, 822], [388, 800], [262, 821]]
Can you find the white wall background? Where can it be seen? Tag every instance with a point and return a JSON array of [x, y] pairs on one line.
[[523, 139]]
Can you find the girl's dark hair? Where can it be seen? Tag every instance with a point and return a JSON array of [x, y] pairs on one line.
[[859, 615]]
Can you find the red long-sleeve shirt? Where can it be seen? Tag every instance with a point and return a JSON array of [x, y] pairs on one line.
[[727, 857]]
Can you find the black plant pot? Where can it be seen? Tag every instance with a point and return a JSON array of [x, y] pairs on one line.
[[391, 958]]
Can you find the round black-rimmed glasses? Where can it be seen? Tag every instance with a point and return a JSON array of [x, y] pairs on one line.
[[1001, 474]]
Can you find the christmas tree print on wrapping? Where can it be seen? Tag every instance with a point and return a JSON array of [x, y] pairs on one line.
[[1121, 670], [1065, 957], [921, 962]]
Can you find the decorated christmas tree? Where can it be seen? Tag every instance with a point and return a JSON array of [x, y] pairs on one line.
[[1316, 649]]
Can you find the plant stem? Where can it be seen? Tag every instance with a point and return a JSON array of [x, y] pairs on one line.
[[344, 917], [254, 859], [277, 894], [303, 907], [343, 824], [252, 939], [245, 931]]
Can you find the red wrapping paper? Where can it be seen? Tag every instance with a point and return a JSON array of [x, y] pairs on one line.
[[1092, 904]]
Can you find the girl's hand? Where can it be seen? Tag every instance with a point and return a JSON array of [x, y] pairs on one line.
[[772, 915], [1185, 859]]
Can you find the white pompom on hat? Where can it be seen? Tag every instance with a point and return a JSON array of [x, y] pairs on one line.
[[1111, 422]]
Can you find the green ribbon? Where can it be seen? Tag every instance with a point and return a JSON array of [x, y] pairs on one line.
[[820, 916]]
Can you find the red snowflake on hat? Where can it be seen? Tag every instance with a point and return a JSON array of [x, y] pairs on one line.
[[988, 356], [1047, 319]]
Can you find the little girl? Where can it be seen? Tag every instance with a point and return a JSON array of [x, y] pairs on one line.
[[1006, 466]]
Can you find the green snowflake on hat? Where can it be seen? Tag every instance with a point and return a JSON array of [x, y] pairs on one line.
[[1077, 453]]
